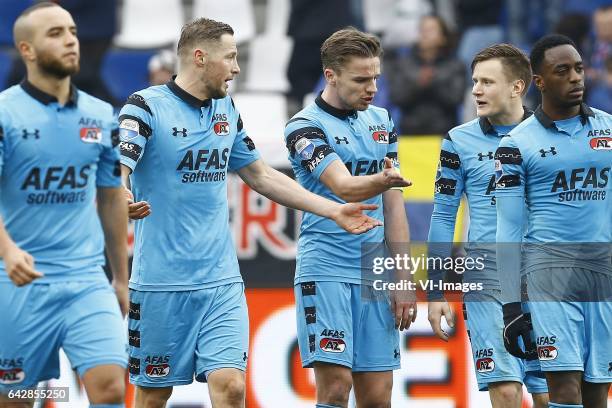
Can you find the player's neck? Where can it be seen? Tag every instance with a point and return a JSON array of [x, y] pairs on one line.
[[331, 98], [511, 117], [191, 85], [60, 88], [559, 112]]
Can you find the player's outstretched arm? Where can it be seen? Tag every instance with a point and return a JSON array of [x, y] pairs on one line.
[[18, 263], [136, 210], [112, 210], [282, 189], [441, 231], [397, 237], [351, 188]]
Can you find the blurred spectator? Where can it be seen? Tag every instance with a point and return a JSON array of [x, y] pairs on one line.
[[576, 26], [602, 48], [479, 23], [96, 26], [162, 66], [528, 20], [310, 23], [600, 95], [428, 84]]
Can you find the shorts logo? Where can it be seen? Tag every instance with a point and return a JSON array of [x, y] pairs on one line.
[[381, 137], [134, 366], [221, 128], [547, 353], [134, 312], [311, 314], [336, 334], [91, 135], [305, 148], [134, 338], [311, 343], [309, 288], [601, 143], [332, 345], [128, 129], [12, 376], [157, 371], [485, 365]]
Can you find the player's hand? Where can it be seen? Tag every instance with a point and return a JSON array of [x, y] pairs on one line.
[[518, 324], [19, 266], [351, 218], [404, 308], [435, 310], [391, 178], [137, 210], [122, 293]]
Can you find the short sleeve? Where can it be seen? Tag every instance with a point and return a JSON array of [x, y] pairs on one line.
[[243, 150], [308, 147], [449, 184], [393, 148], [109, 169], [509, 169], [135, 129]]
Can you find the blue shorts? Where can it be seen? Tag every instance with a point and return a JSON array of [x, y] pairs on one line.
[[336, 324], [484, 319], [83, 318], [176, 335], [573, 336]]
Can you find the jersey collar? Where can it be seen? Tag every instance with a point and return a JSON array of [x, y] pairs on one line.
[[44, 98], [547, 122], [339, 113], [488, 129], [186, 96]]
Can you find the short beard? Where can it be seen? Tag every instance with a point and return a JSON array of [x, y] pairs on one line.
[[214, 93], [54, 67]]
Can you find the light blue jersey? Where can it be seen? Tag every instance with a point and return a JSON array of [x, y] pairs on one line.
[[466, 167], [52, 160], [562, 170], [316, 136], [180, 149]]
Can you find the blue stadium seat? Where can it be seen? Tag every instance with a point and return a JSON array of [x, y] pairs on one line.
[[6, 61], [125, 71], [10, 10]]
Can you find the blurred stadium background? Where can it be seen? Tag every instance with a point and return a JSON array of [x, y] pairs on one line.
[[126, 45]]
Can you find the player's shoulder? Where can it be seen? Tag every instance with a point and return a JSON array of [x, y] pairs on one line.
[[90, 103], [523, 133], [151, 100], [599, 114], [10, 97], [377, 112], [309, 116], [464, 130]]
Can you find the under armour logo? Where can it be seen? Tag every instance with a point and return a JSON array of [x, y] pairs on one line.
[[552, 150], [341, 139], [488, 155], [396, 353], [175, 132], [244, 357], [35, 133]]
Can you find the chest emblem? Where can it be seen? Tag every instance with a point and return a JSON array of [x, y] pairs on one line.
[[91, 134], [601, 143]]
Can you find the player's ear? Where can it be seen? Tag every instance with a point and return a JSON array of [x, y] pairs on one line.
[[200, 57], [518, 87], [539, 82], [26, 51], [330, 76]]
